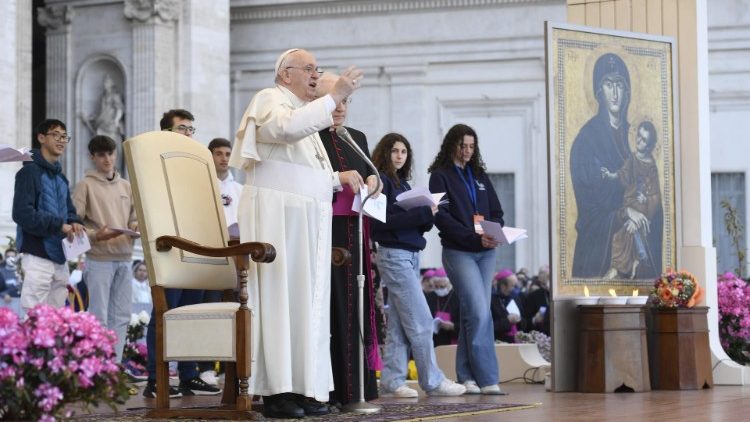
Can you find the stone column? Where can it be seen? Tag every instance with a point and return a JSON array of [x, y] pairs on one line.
[[686, 21], [154, 51], [56, 19], [203, 67], [15, 90]]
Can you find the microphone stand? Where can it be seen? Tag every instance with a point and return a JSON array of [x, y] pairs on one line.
[[361, 406]]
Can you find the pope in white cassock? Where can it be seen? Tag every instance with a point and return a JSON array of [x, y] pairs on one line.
[[286, 201]]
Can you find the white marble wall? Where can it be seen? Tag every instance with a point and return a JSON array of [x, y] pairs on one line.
[[428, 65], [203, 66], [15, 92], [729, 83], [165, 54]]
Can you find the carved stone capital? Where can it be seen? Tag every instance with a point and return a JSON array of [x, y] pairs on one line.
[[55, 17], [149, 11]]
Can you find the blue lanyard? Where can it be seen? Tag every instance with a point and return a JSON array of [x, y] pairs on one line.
[[469, 185]]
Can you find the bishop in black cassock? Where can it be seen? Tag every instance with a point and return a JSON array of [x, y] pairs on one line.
[[344, 290]]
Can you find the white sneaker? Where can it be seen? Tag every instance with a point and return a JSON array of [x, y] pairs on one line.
[[209, 377], [403, 392], [492, 389], [135, 379], [472, 387], [447, 388]]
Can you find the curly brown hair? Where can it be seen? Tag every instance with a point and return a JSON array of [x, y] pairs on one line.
[[452, 141], [381, 157]]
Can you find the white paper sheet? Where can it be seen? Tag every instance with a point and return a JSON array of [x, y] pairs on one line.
[[131, 233], [505, 235], [512, 308], [9, 153], [374, 207], [78, 246], [418, 197]]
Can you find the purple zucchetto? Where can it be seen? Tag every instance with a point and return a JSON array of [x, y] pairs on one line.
[[440, 272], [504, 273]]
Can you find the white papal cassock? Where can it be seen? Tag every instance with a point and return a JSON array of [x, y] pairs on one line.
[[286, 201]]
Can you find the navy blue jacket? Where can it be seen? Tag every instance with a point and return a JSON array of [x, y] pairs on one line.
[[41, 205], [455, 219], [402, 229]]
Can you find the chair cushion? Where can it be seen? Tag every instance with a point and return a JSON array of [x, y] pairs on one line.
[[206, 331]]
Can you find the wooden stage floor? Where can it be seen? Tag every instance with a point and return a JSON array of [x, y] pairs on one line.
[[721, 403]]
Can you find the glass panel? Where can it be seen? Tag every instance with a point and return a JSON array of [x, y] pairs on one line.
[[504, 184], [728, 187]]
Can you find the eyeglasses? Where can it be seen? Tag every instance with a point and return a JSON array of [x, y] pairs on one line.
[[183, 129], [347, 100], [309, 69], [59, 137]]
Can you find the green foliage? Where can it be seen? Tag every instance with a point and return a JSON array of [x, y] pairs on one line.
[[735, 229]]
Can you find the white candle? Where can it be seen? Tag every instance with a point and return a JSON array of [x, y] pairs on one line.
[[613, 300], [585, 300], [637, 300]]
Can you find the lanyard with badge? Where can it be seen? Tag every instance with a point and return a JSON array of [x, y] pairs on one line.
[[472, 195]]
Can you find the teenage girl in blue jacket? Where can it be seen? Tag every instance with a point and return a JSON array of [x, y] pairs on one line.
[[400, 239], [468, 253]]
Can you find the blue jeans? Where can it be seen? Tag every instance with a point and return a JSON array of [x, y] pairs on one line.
[[471, 275], [409, 322], [175, 298]]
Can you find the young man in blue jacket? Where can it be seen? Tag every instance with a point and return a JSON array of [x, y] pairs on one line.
[[45, 215]]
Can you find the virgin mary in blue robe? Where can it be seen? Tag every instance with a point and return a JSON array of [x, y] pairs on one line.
[[599, 200]]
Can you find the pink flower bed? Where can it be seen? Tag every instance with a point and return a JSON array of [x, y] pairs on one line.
[[734, 316], [56, 357]]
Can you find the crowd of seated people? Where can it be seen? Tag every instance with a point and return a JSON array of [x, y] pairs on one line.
[[519, 303]]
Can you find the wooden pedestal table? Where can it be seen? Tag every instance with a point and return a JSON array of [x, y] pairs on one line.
[[613, 354], [679, 355]]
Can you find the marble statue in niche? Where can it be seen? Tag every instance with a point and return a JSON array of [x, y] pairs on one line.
[[109, 119]]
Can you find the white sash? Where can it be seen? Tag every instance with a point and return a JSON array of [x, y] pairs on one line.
[[291, 178]]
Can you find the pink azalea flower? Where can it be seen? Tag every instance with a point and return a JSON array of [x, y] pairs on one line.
[[50, 396], [734, 315], [48, 343]]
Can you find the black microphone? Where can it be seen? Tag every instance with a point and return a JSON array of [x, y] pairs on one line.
[[346, 137]]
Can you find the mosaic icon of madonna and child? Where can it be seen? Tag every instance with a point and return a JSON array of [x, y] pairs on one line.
[[617, 191]]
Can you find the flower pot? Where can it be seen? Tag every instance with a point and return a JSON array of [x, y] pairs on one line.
[[679, 354]]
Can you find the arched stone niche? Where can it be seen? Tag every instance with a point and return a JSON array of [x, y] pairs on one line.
[[99, 110]]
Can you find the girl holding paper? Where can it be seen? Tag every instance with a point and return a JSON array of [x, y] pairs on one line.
[[400, 238], [469, 253]]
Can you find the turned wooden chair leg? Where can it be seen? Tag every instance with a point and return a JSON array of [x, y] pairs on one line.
[[230, 384]]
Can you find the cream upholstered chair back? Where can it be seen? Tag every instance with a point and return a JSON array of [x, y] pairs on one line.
[[176, 193]]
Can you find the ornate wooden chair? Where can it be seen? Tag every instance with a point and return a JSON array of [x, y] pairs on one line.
[[185, 242]]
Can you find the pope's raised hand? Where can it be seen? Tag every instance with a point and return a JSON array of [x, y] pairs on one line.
[[349, 80]]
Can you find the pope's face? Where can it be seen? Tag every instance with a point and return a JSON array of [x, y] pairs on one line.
[[613, 88], [301, 75]]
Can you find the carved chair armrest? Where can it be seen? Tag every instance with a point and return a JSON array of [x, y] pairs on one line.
[[258, 251], [340, 256]]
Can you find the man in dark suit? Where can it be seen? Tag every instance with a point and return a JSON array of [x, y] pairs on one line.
[[353, 173]]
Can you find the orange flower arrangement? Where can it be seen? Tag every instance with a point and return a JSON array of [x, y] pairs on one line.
[[676, 289]]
